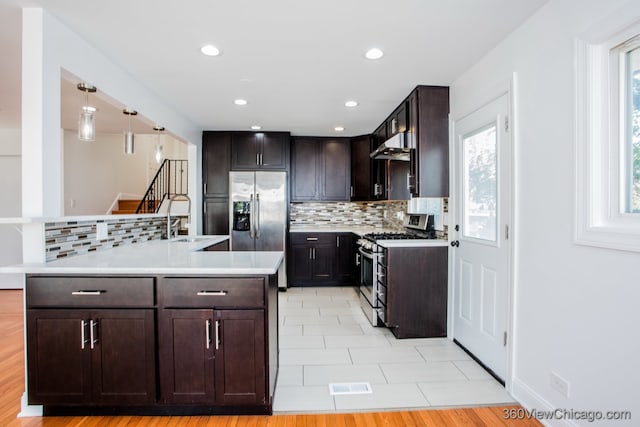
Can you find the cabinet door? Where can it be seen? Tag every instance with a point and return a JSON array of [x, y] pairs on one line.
[[335, 170], [59, 362], [274, 152], [244, 151], [239, 339], [123, 356], [216, 155], [304, 170], [300, 263], [361, 187], [324, 257], [216, 216], [379, 167], [345, 258], [186, 356]]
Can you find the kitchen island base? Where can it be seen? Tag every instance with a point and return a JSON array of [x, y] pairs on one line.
[[151, 345]]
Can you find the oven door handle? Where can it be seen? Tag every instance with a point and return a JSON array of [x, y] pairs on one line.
[[365, 254]]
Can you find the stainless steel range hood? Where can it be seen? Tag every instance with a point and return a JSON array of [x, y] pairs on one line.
[[394, 148]]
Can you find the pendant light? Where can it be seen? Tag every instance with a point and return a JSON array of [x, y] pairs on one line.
[[159, 148], [129, 143], [87, 120]]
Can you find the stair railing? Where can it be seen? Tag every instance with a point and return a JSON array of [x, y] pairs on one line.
[[171, 179]]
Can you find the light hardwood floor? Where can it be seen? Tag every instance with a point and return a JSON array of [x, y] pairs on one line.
[[12, 387]]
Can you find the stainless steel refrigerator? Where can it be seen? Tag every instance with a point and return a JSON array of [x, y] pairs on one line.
[[258, 213]]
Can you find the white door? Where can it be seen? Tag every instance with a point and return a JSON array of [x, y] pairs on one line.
[[482, 256]]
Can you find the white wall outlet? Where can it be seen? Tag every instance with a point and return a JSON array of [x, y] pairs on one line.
[[559, 384], [102, 231]]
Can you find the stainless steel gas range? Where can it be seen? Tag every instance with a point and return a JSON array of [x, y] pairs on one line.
[[373, 284]]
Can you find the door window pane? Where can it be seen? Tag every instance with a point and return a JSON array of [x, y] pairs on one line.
[[632, 119], [479, 151]]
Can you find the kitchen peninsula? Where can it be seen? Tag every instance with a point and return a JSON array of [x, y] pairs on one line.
[[160, 327]]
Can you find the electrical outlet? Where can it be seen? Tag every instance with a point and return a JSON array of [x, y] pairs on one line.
[[102, 231], [559, 384]]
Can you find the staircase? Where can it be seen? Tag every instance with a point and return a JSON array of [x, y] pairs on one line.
[[130, 206]]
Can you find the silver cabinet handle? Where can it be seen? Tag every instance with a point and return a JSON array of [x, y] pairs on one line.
[[352, 191], [261, 163], [88, 292], [205, 188], [83, 338], [337, 241], [205, 207], [310, 253], [311, 239], [408, 181], [257, 159], [357, 259], [93, 336], [207, 329], [217, 334], [211, 293], [314, 253]]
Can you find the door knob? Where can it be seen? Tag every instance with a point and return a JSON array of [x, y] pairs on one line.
[[455, 243]]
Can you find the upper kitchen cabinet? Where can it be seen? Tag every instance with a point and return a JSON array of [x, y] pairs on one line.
[[216, 152], [378, 167], [397, 121], [428, 131], [320, 169], [361, 183], [259, 150]]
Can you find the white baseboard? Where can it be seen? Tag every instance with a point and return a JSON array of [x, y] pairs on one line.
[[531, 400], [27, 410], [12, 281]]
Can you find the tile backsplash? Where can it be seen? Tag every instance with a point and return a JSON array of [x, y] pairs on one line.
[[69, 238], [387, 214]]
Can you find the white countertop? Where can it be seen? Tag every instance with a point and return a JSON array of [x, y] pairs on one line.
[[176, 256]]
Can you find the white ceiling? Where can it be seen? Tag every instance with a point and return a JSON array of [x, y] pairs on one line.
[[296, 62]]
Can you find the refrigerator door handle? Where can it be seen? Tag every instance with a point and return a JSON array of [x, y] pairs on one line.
[[252, 232], [257, 217]]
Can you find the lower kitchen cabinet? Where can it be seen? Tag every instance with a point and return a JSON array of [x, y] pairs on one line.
[[87, 356], [212, 357], [216, 348], [415, 293], [321, 259]]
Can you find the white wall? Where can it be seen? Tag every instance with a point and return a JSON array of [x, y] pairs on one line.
[[576, 307], [95, 173], [10, 205]]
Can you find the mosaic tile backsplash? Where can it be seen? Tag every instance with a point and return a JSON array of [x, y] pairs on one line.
[[387, 214], [65, 239]]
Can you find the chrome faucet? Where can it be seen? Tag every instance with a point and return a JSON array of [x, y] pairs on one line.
[[171, 226]]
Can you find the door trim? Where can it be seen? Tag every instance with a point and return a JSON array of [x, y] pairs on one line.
[[508, 88]]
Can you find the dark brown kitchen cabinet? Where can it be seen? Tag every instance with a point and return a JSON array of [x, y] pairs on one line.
[[212, 357], [216, 164], [415, 293], [321, 169], [216, 154], [429, 132], [321, 259], [397, 121], [259, 150], [361, 162], [378, 166], [87, 356], [312, 258], [85, 335], [216, 216], [345, 258], [213, 341]]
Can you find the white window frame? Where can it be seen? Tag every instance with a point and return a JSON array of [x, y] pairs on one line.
[[600, 175]]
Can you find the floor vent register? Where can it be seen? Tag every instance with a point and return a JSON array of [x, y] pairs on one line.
[[349, 388]]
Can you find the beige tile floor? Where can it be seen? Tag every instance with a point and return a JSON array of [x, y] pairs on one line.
[[325, 338]]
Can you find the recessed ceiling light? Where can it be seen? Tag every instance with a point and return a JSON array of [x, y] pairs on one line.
[[256, 127], [338, 128], [210, 50], [374, 53], [240, 102], [351, 104]]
